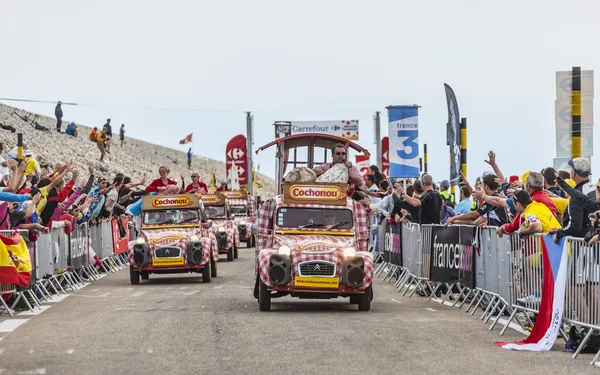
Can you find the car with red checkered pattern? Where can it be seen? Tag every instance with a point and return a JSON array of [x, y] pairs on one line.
[[244, 214], [174, 238], [312, 238], [218, 210]]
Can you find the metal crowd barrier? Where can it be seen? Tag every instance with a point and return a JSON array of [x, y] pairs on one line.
[[60, 262], [509, 275]]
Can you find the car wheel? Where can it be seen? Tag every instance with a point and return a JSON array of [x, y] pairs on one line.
[[354, 299], [235, 252], [264, 297], [206, 273], [230, 255], [134, 276], [213, 268], [364, 300]]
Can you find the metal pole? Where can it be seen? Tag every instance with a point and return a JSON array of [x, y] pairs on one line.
[[421, 165], [19, 148], [576, 113], [425, 158], [250, 180], [463, 146], [378, 140]]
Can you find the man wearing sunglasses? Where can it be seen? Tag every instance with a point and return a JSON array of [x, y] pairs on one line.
[[338, 153]]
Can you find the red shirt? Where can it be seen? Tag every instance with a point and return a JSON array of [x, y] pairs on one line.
[[538, 196], [154, 185], [201, 189]]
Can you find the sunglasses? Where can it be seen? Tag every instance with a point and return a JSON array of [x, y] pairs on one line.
[[340, 153]]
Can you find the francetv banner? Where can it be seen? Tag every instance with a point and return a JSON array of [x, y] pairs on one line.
[[347, 129], [404, 141]]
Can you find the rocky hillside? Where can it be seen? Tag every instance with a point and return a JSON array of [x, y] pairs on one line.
[[135, 159]]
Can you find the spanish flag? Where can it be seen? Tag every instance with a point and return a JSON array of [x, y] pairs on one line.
[[187, 139], [15, 262]]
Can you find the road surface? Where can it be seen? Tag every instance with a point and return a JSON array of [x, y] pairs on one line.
[[177, 325]]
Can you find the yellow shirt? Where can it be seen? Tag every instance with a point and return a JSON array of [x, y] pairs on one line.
[[560, 204], [40, 206], [539, 213], [100, 138], [31, 166]]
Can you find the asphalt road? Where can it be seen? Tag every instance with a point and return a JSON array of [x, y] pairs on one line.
[[177, 325]]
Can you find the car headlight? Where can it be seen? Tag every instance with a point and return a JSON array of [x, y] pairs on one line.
[[194, 238], [349, 252], [140, 240], [221, 229], [284, 250]]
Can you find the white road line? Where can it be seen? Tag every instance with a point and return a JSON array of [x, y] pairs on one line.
[[70, 351], [150, 351], [430, 309], [191, 293], [35, 312], [217, 287], [396, 301], [137, 294], [10, 325], [103, 295]]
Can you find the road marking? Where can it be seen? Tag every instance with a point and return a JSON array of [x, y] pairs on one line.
[[430, 309], [184, 287], [137, 294], [70, 351], [191, 293], [129, 289], [10, 325], [396, 301], [103, 295], [36, 371], [31, 351], [36, 311], [150, 351], [217, 287]]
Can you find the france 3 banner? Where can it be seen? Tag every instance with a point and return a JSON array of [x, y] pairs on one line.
[[453, 255], [404, 141]]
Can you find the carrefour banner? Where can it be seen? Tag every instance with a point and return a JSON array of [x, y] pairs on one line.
[[347, 129], [404, 141]]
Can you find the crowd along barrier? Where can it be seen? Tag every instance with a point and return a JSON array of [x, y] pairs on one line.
[[61, 262], [500, 276]]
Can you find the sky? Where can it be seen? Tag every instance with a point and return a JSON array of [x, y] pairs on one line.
[[309, 60]]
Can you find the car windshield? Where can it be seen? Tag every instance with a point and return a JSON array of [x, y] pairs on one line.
[[239, 210], [171, 217], [329, 218], [215, 211]]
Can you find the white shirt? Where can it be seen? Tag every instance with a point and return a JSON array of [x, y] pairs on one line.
[[114, 196]]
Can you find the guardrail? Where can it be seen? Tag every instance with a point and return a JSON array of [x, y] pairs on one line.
[[60, 262], [496, 276]]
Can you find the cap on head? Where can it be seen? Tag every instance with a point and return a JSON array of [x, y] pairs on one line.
[[513, 179], [581, 166], [445, 184]]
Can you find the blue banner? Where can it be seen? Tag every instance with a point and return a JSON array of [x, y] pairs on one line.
[[404, 141]]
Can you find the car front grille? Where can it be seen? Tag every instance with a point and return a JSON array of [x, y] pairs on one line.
[[325, 269], [167, 252]]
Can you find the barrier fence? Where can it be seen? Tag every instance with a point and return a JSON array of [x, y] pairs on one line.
[[61, 261], [471, 268]]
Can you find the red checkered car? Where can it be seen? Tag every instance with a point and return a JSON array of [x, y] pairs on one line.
[[174, 238], [313, 251]]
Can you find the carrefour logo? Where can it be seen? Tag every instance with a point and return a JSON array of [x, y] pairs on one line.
[[312, 192], [171, 202]]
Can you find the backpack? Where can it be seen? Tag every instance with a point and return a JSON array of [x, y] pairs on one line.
[[576, 336], [93, 135]]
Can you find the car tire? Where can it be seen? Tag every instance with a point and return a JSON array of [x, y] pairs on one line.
[[256, 287], [230, 255], [235, 252], [354, 299], [145, 275], [206, 272], [134, 276], [264, 297], [213, 268], [364, 300]]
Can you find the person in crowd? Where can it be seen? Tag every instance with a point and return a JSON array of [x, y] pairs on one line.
[[575, 220], [446, 195], [93, 134], [122, 134], [54, 191], [108, 132], [59, 115], [112, 198], [565, 175], [197, 186], [536, 216], [466, 203], [162, 184], [550, 183], [189, 158], [101, 139], [402, 210], [487, 214], [377, 174], [370, 183], [71, 130], [222, 187], [430, 202]]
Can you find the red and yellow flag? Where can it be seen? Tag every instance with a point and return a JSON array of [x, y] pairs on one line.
[[15, 262], [187, 139]]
